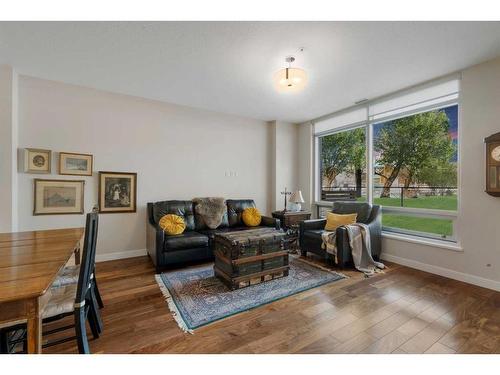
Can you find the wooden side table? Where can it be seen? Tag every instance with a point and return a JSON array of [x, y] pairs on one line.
[[290, 223]]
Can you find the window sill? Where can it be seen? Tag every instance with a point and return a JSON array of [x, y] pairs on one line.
[[447, 245]]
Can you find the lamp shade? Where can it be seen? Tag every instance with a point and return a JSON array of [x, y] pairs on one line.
[[296, 197], [290, 80]]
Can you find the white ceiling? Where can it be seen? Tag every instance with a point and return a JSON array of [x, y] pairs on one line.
[[228, 66]]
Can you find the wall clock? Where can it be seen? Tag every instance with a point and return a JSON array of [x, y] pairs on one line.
[[493, 164]]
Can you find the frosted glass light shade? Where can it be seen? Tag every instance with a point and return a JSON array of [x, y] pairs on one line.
[[296, 197], [290, 79]]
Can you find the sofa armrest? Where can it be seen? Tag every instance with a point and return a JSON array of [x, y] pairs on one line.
[[375, 226], [271, 222], [344, 255], [154, 243], [314, 224]]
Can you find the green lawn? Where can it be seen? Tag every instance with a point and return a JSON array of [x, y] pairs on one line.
[[442, 227], [435, 203]]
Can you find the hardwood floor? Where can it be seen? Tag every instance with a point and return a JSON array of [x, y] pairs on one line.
[[400, 311]]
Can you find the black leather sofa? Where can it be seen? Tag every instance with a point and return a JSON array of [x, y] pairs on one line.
[[196, 242], [310, 232]]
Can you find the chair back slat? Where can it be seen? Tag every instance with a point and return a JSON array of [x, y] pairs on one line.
[[87, 265]]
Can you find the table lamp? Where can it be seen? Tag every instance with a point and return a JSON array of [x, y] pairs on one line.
[[297, 198]]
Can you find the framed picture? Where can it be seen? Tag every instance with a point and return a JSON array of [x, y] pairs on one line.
[[37, 160], [75, 164], [117, 192], [57, 197]]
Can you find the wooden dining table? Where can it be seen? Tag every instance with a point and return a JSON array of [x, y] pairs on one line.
[[29, 264]]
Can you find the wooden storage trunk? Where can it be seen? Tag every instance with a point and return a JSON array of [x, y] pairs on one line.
[[249, 257]]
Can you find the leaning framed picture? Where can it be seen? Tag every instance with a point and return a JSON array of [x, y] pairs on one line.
[[37, 160], [75, 164], [58, 197], [117, 192]]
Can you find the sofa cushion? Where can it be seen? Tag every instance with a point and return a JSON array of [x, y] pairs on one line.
[[251, 217], [179, 208], [235, 209], [199, 222], [334, 220], [363, 210], [211, 210], [172, 224], [186, 240]]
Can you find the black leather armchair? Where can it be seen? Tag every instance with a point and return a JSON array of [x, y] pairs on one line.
[[196, 242], [311, 230]]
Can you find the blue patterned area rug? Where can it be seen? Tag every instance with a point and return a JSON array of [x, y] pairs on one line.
[[196, 297]]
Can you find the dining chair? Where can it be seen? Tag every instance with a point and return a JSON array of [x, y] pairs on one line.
[[86, 301], [78, 300], [70, 273]]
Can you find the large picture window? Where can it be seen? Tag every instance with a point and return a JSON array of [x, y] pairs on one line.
[[343, 165], [403, 157], [415, 167]]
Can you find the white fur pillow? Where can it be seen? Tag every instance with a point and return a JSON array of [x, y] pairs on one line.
[[212, 210]]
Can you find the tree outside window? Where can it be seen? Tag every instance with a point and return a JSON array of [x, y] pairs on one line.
[[343, 161]]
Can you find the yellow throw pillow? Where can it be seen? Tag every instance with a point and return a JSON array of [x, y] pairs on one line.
[[333, 220], [251, 217], [172, 224]]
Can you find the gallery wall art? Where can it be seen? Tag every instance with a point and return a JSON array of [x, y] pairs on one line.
[[37, 160], [53, 197], [117, 192], [75, 164]]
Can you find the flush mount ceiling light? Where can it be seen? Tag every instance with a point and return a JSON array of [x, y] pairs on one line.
[[290, 79]]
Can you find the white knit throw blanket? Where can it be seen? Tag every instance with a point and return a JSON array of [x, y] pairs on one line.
[[359, 241]]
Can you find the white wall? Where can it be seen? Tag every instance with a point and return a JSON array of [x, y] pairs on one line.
[[479, 215], [305, 173], [285, 158], [177, 152], [181, 152], [8, 149]]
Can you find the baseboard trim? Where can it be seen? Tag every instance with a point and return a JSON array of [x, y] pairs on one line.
[[446, 272], [120, 255]]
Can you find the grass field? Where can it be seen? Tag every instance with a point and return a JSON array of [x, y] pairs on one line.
[[435, 203], [442, 227]]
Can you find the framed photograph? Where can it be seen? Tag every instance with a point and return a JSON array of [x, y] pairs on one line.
[[37, 160], [117, 192], [58, 197], [75, 164]]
